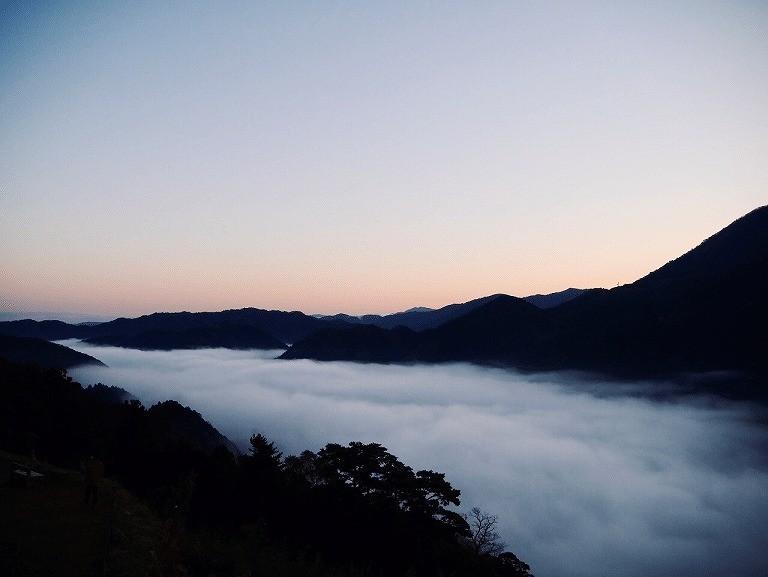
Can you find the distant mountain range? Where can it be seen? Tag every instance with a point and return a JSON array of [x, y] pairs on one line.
[[247, 328], [242, 328], [225, 335], [704, 312], [417, 319], [420, 318], [554, 299]]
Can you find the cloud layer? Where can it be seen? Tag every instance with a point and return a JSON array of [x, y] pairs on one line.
[[583, 484]]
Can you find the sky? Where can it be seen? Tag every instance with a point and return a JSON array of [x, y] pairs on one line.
[[367, 157], [586, 481]]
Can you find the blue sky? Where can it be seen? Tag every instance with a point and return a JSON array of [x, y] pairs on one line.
[[367, 156]]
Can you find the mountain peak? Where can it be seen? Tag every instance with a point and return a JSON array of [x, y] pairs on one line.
[[743, 243], [419, 310]]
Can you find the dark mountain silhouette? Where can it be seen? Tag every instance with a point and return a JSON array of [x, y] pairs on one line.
[[422, 318], [225, 336], [350, 319], [42, 353], [416, 319], [551, 300], [48, 330], [419, 310], [482, 335], [68, 421], [109, 393], [170, 423], [497, 332], [359, 343], [240, 328], [285, 327], [247, 328], [705, 311]]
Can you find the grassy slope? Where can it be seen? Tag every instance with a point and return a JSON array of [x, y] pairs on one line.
[[46, 528]]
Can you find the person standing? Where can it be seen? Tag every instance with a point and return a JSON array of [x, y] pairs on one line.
[[93, 471]]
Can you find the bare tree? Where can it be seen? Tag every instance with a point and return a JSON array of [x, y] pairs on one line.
[[483, 539]]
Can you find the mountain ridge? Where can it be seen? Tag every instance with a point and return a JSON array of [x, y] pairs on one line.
[[705, 311], [270, 329], [42, 353]]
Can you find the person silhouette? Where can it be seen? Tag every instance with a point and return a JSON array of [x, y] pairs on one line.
[[93, 471]]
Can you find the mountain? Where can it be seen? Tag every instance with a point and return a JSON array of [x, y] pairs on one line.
[[495, 332], [228, 336], [109, 393], [240, 328], [482, 335], [48, 330], [549, 301], [170, 423], [67, 317], [422, 318], [416, 319], [360, 343], [285, 327], [69, 422], [42, 353], [705, 311], [247, 328]]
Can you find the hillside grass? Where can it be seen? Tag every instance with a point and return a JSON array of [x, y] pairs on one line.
[[47, 529]]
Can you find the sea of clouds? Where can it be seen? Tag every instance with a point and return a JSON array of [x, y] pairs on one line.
[[587, 479]]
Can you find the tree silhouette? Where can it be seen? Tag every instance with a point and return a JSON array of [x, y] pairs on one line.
[[483, 538], [264, 456], [373, 472], [514, 567]]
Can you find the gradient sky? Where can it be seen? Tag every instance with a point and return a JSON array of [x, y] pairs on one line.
[[367, 156]]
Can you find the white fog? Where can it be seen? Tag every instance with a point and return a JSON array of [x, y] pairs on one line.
[[583, 484]]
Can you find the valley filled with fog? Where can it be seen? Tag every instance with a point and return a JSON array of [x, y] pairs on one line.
[[585, 482]]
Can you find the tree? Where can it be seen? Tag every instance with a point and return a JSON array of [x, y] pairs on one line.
[[262, 482], [303, 468], [483, 538], [368, 469], [375, 504], [373, 472], [434, 493], [264, 456], [513, 566]]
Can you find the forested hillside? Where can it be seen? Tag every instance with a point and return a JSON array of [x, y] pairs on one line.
[[346, 510]]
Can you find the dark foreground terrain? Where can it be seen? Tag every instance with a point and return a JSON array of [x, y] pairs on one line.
[[47, 529], [180, 500]]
